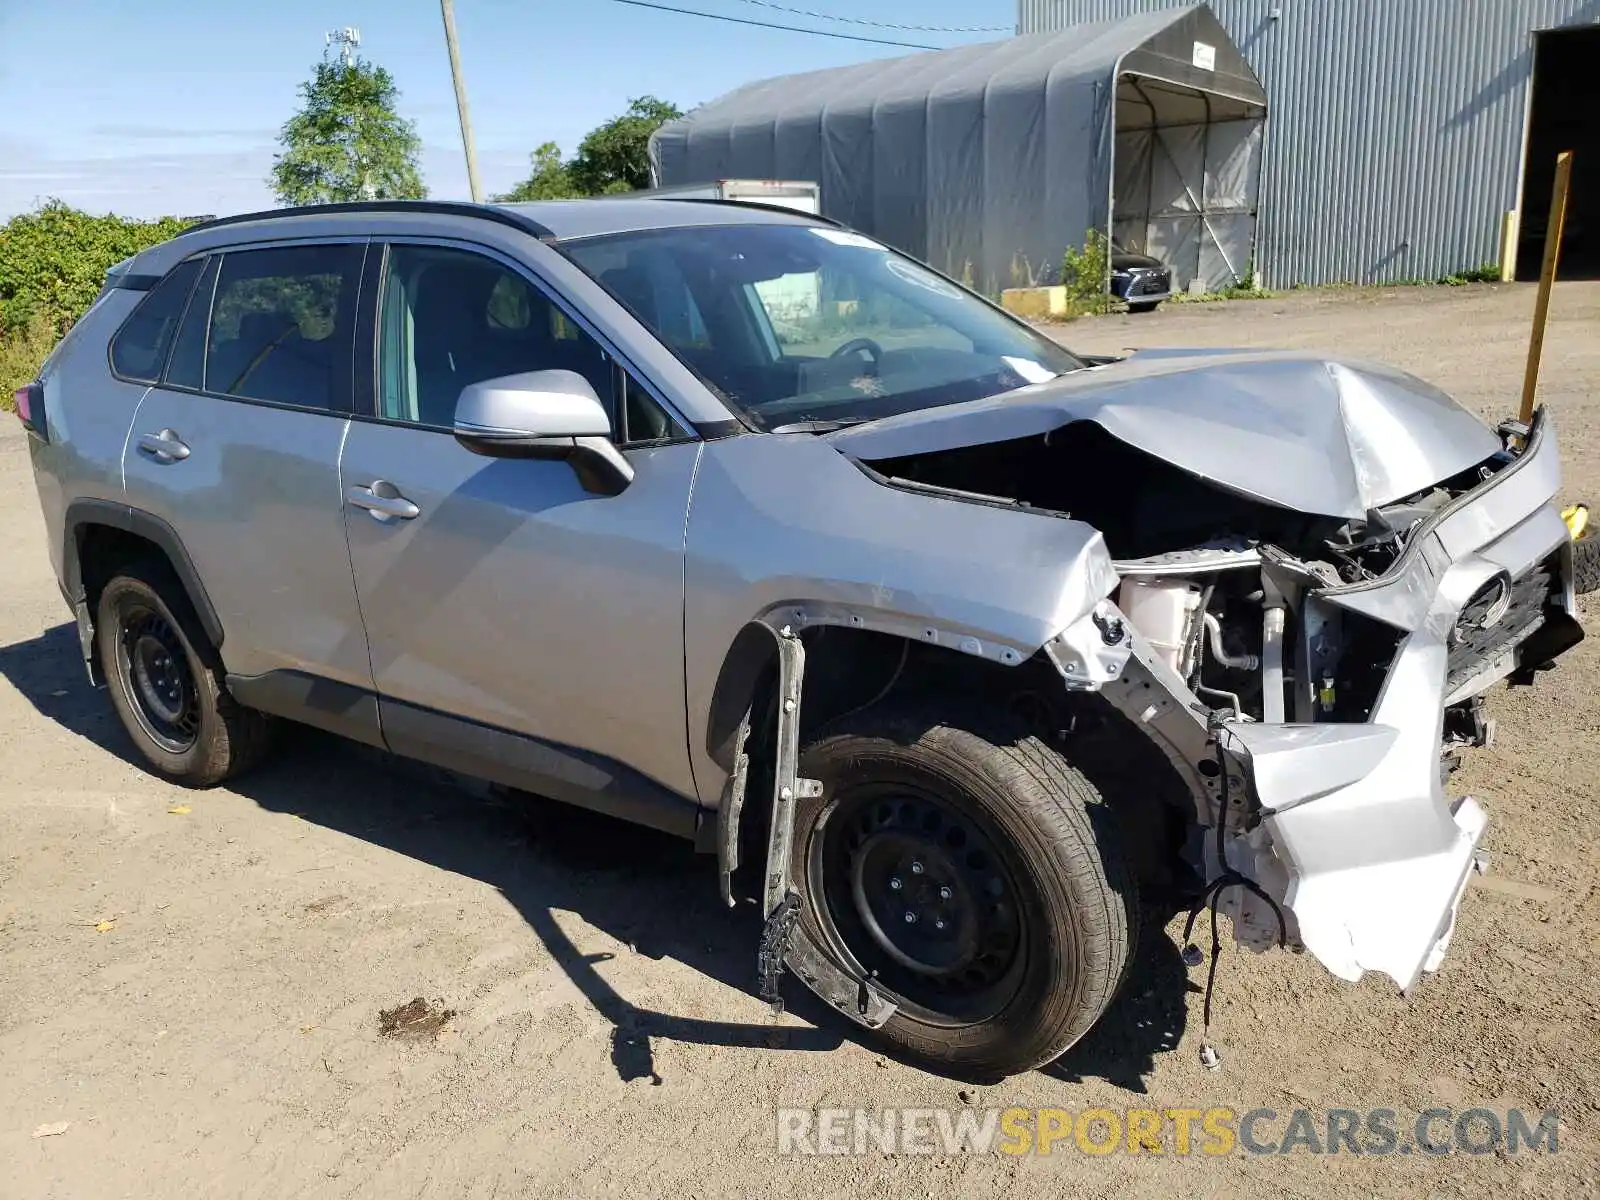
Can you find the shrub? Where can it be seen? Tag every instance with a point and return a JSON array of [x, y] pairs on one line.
[[1086, 274], [54, 259], [53, 262], [21, 353]]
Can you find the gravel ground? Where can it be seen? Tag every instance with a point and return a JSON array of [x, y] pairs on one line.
[[192, 982]]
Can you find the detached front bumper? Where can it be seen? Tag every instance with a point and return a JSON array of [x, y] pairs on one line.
[[1346, 824], [1373, 856]]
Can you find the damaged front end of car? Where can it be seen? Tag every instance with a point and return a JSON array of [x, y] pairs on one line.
[[1304, 620]]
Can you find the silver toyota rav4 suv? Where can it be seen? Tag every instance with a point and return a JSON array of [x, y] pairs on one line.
[[736, 523]]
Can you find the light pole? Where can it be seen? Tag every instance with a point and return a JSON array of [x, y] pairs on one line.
[[448, 11]]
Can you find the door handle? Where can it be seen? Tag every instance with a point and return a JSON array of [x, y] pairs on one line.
[[382, 500], [166, 445]]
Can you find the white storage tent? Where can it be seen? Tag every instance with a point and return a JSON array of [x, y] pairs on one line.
[[989, 160]]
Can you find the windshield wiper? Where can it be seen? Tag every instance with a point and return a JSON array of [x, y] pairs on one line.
[[814, 425]]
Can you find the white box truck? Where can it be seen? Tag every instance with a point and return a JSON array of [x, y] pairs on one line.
[[784, 193]]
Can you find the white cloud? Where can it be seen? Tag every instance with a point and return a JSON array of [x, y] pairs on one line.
[[165, 178], [174, 133]]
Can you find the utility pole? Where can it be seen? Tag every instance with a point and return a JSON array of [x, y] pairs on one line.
[[448, 11]]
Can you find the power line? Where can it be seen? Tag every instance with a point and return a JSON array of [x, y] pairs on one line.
[[821, 16], [827, 33]]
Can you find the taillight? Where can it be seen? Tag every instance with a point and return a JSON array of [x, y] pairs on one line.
[[29, 401]]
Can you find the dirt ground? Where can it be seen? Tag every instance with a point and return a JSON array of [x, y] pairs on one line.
[[193, 981]]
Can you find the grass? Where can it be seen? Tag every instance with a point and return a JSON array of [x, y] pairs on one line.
[[1487, 273], [1484, 273], [1237, 292], [22, 351]]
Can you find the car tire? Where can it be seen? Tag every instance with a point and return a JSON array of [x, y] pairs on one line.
[[1007, 857], [1586, 565], [1144, 308], [157, 663]]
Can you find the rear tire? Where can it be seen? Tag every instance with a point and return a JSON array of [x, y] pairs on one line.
[[170, 701], [1023, 915], [1586, 565]]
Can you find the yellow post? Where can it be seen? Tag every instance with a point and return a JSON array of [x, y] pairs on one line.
[[1547, 275], [1510, 226]]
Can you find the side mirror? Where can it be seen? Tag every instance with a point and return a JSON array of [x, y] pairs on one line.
[[543, 414]]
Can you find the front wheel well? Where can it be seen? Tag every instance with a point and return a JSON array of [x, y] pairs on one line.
[[847, 668], [852, 670]]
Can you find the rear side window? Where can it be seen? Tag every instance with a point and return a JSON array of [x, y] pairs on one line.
[[139, 349], [281, 326]]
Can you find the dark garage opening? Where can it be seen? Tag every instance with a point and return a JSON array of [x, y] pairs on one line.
[[1565, 115]]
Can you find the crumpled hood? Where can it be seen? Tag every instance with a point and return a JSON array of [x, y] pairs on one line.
[[1306, 432]]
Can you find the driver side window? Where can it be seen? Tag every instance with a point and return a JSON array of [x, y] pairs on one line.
[[449, 318]]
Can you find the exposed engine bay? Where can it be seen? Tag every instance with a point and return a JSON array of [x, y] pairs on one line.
[[1314, 589], [1216, 581]]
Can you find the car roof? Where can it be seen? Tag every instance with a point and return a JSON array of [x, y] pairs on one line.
[[621, 214], [551, 220], [548, 220]]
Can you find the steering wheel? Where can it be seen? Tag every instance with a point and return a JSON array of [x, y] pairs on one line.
[[861, 345]]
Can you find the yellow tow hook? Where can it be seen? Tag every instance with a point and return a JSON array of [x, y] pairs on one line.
[[1577, 519]]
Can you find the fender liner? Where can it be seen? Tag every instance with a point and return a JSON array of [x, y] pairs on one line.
[[753, 653], [84, 513]]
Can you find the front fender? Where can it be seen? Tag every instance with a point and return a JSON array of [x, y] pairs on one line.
[[783, 529]]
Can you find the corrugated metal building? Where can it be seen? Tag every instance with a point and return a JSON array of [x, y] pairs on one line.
[[1398, 130]]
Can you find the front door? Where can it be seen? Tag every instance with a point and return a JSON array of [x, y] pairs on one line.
[[519, 627]]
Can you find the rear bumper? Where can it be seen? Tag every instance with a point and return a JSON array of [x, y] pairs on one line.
[[1354, 834]]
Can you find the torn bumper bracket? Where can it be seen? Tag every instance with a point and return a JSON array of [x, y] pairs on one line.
[[780, 903], [784, 942]]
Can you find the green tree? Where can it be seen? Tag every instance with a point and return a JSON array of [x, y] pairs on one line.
[[549, 179], [347, 142], [616, 156]]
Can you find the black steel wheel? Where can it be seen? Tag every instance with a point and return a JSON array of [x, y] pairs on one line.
[[153, 673], [972, 874], [916, 890], [164, 677]]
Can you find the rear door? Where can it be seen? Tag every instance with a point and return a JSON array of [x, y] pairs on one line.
[[237, 448]]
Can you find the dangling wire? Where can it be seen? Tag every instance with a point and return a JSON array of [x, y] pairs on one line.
[[1226, 877]]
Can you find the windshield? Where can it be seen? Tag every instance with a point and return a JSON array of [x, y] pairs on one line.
[[815, 327]]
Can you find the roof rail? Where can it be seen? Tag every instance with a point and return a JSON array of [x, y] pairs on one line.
[[783, 208], [485, 212]]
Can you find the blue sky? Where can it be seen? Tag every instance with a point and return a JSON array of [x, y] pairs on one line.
[[172, 107]]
